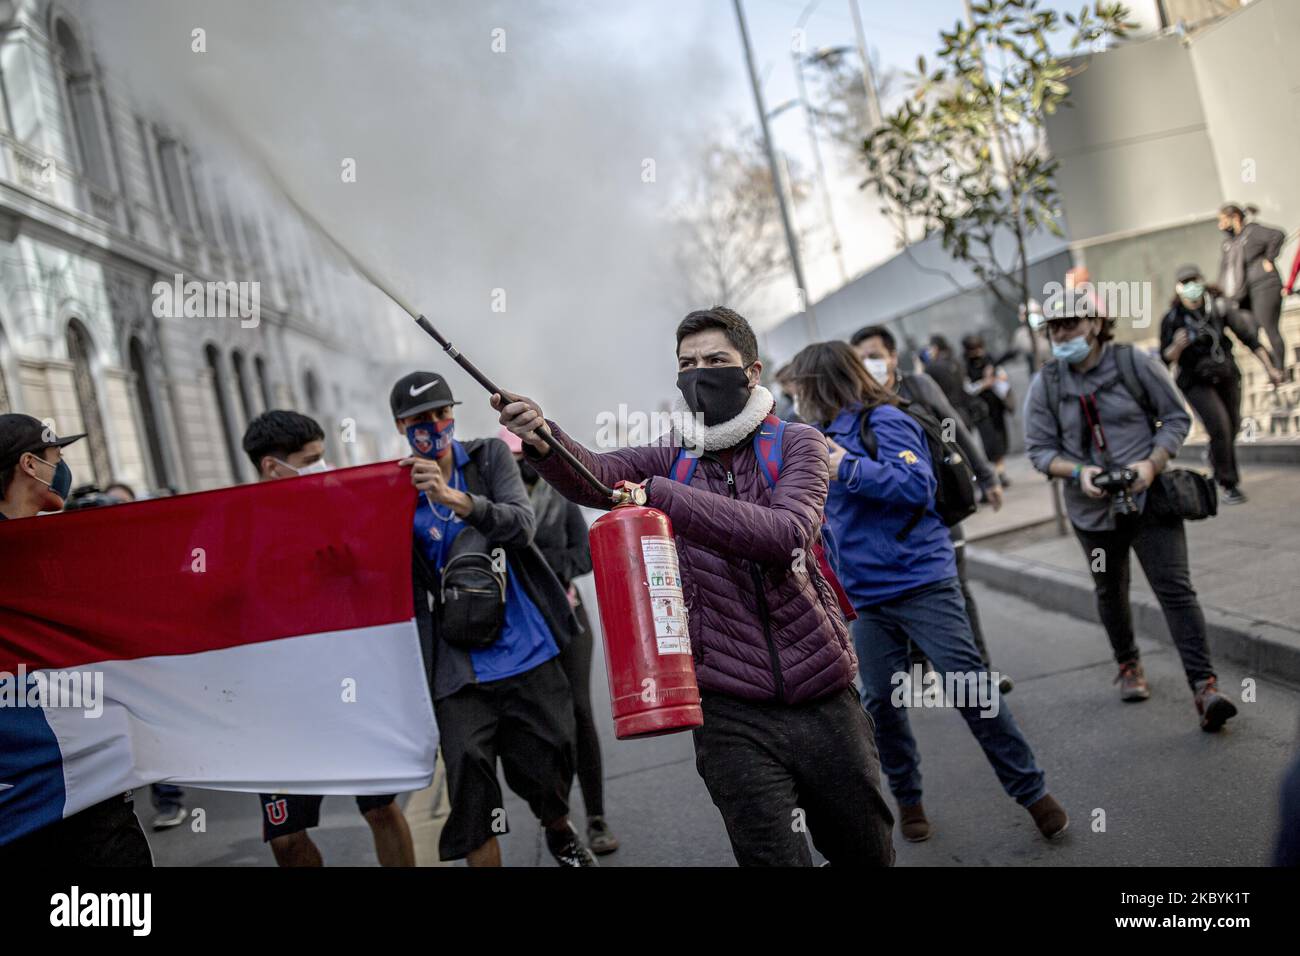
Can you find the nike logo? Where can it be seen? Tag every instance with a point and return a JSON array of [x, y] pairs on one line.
[[423, 388]]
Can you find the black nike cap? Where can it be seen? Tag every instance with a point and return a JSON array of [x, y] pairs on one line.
[[20, 434], [420, 392]]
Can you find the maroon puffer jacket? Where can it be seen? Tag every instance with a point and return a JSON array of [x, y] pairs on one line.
[[784, 641]]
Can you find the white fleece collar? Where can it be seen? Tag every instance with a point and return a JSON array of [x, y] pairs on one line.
[[726, 434]]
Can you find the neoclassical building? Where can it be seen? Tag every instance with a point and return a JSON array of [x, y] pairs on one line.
[[97, 204]]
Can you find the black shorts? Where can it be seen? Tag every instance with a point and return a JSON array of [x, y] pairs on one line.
[[527, 721], [104, 834], [287, 813]]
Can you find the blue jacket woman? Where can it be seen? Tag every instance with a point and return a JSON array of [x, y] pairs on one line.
[[897, 564]]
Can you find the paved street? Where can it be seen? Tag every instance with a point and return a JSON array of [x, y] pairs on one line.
[[1171, 794]]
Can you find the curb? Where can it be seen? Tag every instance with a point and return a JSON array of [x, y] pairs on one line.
[[1260, 647], [1262, 452]]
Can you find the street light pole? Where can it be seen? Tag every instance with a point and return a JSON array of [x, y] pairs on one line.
[[792, 241], [827, 207], [874, 116]]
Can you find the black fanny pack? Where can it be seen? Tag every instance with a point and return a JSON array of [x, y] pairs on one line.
[[1182, 493]]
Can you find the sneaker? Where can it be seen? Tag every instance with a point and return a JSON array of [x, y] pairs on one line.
[[1232, 496], [913, 824], [169, 817], [1132, 682], [1049, 816], [600, 837], [567, 849], [1005, 684], [1214, 708]]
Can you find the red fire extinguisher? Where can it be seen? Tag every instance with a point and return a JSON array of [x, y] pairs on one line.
[[642, 609], [643, 616]]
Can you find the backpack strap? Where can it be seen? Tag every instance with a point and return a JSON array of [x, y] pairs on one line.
[[767, 448], [1129, 376], [867, 435], [1051, 372], [683, 468]]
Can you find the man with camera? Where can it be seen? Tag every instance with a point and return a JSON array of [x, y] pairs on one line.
[[1107, 419]]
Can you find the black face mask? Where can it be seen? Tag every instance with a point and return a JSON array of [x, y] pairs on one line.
[[527, 472], [719, 394]]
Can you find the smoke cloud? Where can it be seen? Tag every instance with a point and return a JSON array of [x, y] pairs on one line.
[[501, 150]]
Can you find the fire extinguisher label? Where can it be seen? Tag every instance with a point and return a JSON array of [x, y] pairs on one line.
[[665, 582]]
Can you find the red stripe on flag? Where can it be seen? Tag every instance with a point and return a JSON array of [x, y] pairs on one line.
[[210, 570]]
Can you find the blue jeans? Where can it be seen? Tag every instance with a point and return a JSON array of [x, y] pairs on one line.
[[933, 617]]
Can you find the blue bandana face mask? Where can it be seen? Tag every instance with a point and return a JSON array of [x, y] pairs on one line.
[[431, 439], [1072, 351]]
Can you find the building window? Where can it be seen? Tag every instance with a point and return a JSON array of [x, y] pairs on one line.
[[242, 385], [171, 162], [83, 381], [148, 415], [79, 84], [263, 384], [223, 410]]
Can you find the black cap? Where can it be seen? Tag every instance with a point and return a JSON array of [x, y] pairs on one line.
[[420, 392], [20, 434], [1186, 272]]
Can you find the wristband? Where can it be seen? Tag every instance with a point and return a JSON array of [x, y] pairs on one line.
[[1078, 470]]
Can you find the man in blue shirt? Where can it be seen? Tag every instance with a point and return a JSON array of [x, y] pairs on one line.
[[492, 618]]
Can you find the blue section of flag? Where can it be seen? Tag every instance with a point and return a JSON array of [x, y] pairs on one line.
[[31, 772]]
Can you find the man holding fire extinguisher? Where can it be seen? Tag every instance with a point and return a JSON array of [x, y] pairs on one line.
[[785, 746]]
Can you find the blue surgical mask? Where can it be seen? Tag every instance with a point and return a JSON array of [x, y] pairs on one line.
[[61, 482], [431, 439], [1072, 351]]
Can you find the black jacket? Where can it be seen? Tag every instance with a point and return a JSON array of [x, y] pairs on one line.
[[503, 515], [1208, 356], [1259, 244], [561, 533]]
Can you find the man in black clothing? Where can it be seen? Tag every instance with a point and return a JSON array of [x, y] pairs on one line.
[[1248, 272], [878, 350]]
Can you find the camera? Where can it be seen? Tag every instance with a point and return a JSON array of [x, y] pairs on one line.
[[1116, 483]]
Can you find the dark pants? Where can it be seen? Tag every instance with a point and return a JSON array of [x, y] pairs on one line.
[[778, 771], [576, 661], [972, 611], [106, 834], [1264, 302], [1218, 405], [934, 618], [166, 796], [526, 721], [1161, 547]]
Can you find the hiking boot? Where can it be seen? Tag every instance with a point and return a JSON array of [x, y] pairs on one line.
[[1213, 707], [1132, 682], [1049, 816], [567, 848], [600, 837], [913, 824], [1232, 495]]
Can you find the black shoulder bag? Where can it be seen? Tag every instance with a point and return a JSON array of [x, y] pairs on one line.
[[471, 596]]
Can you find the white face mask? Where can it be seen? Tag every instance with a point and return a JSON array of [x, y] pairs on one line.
[[877, 369], [315, 468]]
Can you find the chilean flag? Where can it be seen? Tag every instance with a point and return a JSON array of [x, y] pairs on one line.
[[257, 638]]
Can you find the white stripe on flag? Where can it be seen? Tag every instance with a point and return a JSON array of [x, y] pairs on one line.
[[264, 717]]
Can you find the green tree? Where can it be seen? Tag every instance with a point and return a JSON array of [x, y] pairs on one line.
[[965, 155]]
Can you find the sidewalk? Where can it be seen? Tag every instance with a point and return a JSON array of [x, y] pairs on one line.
[[1244, 566]]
